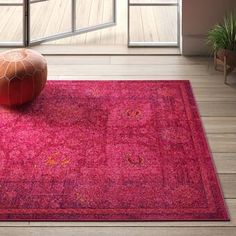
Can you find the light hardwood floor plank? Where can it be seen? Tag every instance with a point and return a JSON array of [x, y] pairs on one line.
[[75, 60], [228, 182], [225, 163], [223, 94], [119, 231], [183, 70], [222, 142], [216, 109], [159, 60], [142, 60], [219, 125]]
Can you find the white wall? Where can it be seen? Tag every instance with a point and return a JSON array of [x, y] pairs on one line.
[[198, 16]]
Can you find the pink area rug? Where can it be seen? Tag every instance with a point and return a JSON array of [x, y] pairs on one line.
[[107, 151]]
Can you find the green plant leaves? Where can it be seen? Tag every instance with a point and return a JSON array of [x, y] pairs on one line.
[[223, 35]]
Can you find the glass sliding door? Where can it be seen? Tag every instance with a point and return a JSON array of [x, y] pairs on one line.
[[11, 23], [95, 14], [49, 20], [56, 19], [31, 22], [153, 23]]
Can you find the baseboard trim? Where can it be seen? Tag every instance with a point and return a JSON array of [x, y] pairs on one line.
[[47, 49]]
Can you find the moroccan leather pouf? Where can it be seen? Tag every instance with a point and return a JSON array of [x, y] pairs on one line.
[[23, 75]]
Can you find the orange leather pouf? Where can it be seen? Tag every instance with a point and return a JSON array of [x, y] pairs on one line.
[[23, 75]]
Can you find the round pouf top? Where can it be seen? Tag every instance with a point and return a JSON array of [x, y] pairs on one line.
[[23, 75]]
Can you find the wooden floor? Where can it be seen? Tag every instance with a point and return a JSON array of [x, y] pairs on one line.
[[148, 24], [217, 104]]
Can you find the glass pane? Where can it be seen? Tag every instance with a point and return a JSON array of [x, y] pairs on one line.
[[50, 18], [93, 12], [11, 24], [153, 1], [10, 1], [153, 24]]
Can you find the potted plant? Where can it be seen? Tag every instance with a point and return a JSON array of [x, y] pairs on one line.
[[222, 39]]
